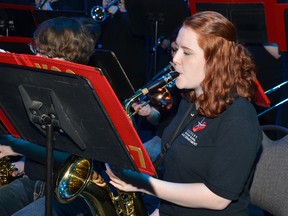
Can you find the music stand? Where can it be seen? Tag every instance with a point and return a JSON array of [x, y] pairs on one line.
[[18, 20], [108, 63], [156, 17], [143, 15], [76, 112], [286, 25], [249, 18], [15, 44]]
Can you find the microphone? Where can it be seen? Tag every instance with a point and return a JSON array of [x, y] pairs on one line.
[[165, 79]]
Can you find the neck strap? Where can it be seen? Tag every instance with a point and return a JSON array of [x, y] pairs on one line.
[[180, 127]]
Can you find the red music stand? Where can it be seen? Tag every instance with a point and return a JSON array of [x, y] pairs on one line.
[[42, 99]]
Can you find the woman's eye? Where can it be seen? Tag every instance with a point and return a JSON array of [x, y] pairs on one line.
[[174, 49]]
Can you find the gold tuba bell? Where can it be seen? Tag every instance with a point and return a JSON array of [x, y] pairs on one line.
[[78, 178]]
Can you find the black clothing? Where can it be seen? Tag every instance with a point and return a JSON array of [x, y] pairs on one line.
[[129, 48], [219, 152]]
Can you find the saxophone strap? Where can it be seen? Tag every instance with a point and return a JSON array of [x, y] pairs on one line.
[[179, 129]]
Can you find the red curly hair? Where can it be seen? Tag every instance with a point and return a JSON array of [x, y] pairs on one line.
[[229, 70]]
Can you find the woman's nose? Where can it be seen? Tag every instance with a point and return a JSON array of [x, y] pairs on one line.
[[175, 58]]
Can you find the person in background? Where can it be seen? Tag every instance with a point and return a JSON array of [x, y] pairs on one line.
[[64, 39], [44, 4], [213, 142]]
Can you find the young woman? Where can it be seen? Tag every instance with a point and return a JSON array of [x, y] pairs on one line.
[[210, 163]]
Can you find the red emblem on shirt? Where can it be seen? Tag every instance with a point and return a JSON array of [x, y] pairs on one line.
[[200, 126]]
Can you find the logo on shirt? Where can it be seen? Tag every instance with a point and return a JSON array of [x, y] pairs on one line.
[[199, 126], [190, 135]]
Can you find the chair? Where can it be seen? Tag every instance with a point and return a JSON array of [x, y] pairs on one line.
[[269, 189]]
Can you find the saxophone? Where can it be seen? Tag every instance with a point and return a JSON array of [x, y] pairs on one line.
[[78, 177], [6, 167]]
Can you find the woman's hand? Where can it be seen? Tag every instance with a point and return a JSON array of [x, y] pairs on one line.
[[128, 180], [45, 6], [117, 182], [19, 168], [122, 6], [142, 110], [7, 151], [155, 213], [112, 9]]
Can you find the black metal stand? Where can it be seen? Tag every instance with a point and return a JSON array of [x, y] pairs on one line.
[[47, 122], [49, 171], [155, 48]]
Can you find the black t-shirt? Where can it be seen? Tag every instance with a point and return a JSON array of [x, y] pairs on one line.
[[219, 152]]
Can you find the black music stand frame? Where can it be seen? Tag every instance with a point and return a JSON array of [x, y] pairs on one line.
[[108, 63], [156, 17], [55, 109]]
